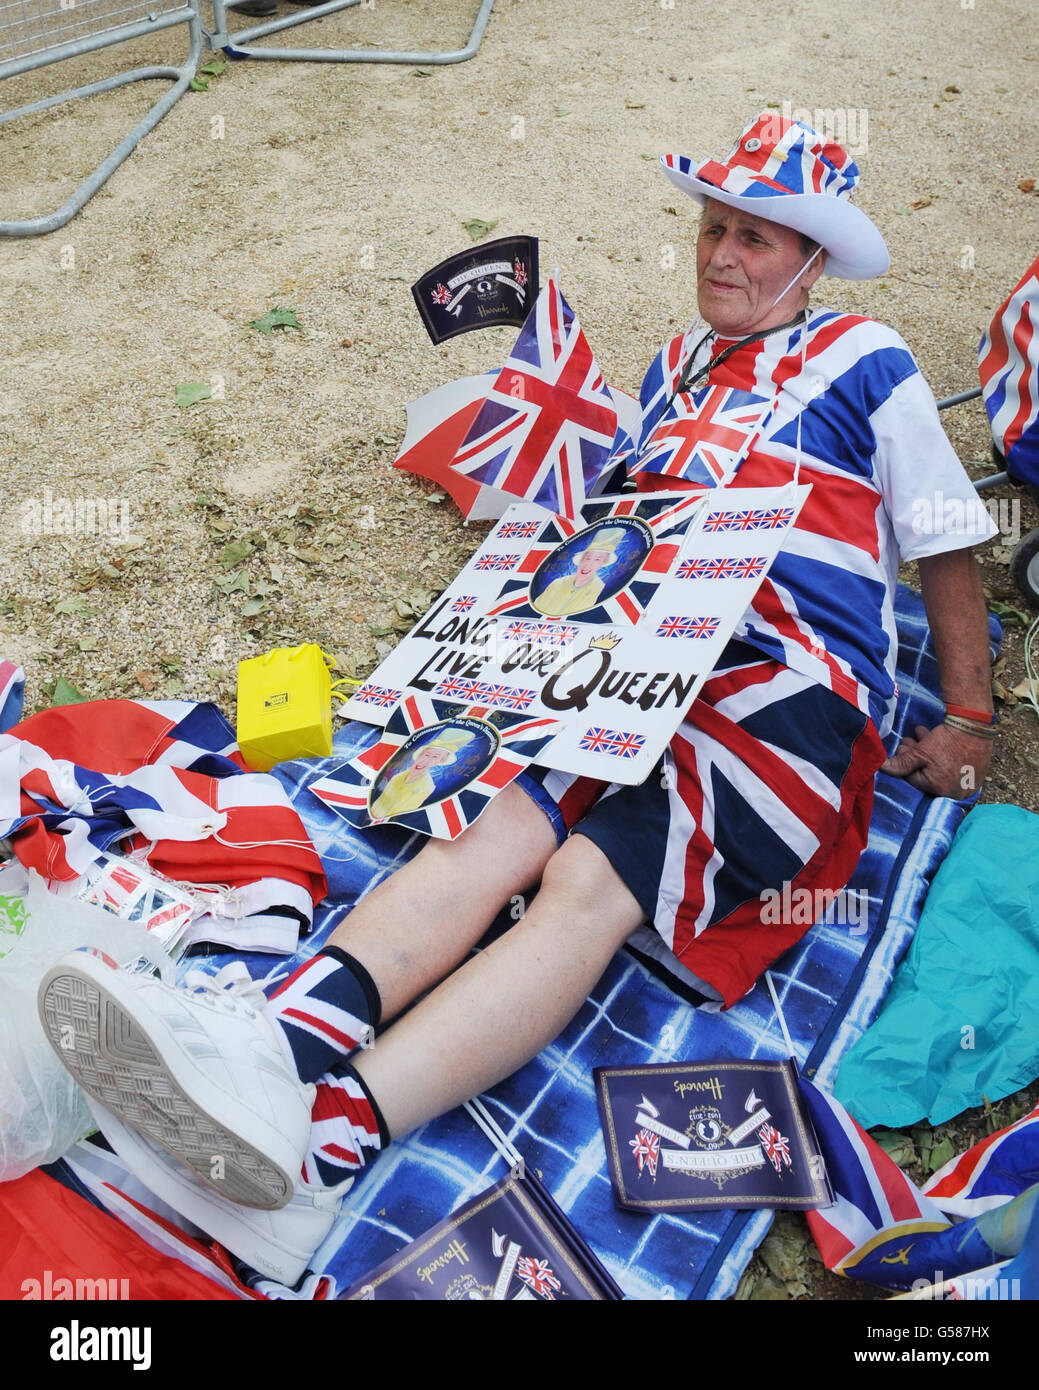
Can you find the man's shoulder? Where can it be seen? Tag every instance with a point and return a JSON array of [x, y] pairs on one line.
[[860, 327], [866, 354]]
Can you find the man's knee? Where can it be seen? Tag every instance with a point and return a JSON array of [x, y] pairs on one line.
[[580, 873]]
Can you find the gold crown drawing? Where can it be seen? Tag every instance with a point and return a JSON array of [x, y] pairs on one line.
[[606, 641]]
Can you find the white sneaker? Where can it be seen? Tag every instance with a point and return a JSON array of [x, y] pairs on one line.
[[196, 1068], [278, 1244]]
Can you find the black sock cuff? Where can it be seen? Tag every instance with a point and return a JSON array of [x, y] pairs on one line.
[[368, 985], [384, 1133]]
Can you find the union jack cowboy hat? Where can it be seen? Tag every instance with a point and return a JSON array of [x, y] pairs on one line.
[[784, 171]]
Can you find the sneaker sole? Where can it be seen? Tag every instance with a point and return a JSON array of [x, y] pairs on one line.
[[222, 1220], [115, 1061]]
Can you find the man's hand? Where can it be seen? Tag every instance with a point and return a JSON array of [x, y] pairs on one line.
[[942, 761]]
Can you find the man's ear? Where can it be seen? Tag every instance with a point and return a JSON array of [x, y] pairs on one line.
[[813, 272]]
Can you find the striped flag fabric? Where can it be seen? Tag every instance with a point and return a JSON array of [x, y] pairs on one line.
[[879, 1215], [992, 1172], [706, 437], [1008, 365], [547, 426], [884, 1229], [12, 686], [164, 778]]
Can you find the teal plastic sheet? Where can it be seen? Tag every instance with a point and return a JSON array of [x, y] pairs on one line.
[[961, 1021]]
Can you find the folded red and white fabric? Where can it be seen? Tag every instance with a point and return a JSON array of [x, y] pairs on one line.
[[164, 779]]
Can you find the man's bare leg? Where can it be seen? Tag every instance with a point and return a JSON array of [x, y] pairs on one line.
[[511, 1000], [421, 921]]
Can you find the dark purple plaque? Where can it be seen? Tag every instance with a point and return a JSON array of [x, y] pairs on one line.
[[684, 1135]]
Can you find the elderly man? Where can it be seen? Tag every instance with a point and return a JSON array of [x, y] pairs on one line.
[[768, 781]]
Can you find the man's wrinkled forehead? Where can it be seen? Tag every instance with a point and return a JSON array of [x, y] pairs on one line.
[[717, 214]]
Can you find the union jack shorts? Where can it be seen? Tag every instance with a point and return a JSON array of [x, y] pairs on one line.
[[768, 781]]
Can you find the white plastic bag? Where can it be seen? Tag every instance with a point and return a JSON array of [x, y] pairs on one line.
[[42, 1110]]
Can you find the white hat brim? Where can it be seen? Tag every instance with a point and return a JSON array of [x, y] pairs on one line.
[[855, 250]]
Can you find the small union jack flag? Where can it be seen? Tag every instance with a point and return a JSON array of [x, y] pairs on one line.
[[520, 272], [597, 740], [463, 603], [517, 699], [523, 529], [645, 1149], [774, 517], [453, 688], [441, 295], [776, 1146], [538, 1276], [688, 627], [377, 695], [613, 741], [749, 568], [546, 427], [497, 562]]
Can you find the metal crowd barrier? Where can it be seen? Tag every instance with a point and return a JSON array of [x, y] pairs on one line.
[[34, 33], [236, 44]]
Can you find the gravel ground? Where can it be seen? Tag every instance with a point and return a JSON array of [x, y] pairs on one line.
[[269, 513]]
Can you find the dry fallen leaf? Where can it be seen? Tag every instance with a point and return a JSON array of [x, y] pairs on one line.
[[1026, 185], [146, 680], [1027, 689]]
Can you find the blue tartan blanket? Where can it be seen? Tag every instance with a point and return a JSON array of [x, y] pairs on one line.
[[830, 988], [830, 985]]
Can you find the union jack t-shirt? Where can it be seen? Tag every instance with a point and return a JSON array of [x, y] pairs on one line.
[[886, 486]]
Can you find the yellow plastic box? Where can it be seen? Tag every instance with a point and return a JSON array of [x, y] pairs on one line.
[[284, 706]]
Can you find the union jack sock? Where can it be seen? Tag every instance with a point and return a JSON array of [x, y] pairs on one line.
[[347, 1130], [327, 1008]]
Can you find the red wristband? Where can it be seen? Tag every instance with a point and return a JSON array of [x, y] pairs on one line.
[[962, 712]]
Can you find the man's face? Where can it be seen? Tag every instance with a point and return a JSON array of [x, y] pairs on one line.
[[742, 263]]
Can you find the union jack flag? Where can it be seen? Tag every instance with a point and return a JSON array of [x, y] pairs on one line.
[[463, 603], [497, 562], [545, 431], [645, 1149], [441, 295], [723, 568], [620, 745], [705, 438], [688, 627], [522, 529], [520, 272], [453, 688], [771, 518], [597, 740], [538, 1276], [380, 695], [776, 1146], [626, 745], [1008, 365], [517, 699]]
